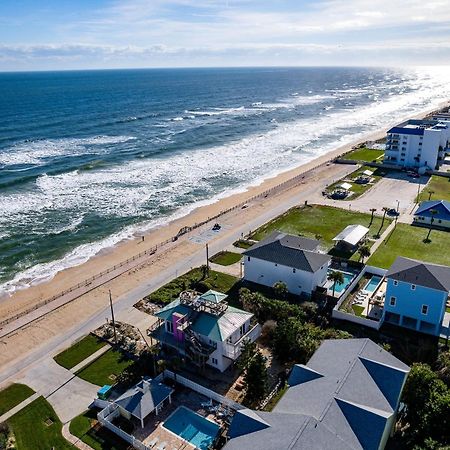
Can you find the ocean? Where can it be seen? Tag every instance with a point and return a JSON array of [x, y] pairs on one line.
[[88, 158]]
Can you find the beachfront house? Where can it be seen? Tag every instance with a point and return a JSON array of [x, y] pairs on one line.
[[350, 237], [204, 328], [416, 295], [292, 260], [345, 397], [418, 143], [433, 212]]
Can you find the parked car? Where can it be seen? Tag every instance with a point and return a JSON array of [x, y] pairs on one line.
[[216, 227], [392, 212]]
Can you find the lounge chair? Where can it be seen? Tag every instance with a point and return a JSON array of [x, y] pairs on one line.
[[153, 442], [207, 404], [162, 446]]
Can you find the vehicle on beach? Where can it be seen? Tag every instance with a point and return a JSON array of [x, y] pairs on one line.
[[216, 227]]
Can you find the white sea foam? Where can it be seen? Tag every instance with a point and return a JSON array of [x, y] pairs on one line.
[[139, 187], [37, 152]]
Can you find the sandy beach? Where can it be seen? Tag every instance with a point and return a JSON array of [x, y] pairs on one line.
[[81, 309]]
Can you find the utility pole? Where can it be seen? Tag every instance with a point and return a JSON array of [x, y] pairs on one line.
[[207, 259], [112, 316]]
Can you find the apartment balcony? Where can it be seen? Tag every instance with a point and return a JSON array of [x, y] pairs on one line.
[[233, 351]]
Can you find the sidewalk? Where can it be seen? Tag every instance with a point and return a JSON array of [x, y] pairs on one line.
[[90, 359], [20, 406], [73, 439]]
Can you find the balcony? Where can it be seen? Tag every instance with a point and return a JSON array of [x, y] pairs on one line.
[[233, 351]]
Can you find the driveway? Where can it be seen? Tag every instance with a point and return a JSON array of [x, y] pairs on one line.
[[71, 398]]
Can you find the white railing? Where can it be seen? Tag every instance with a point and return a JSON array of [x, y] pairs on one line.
[[233, 351], [105, 417], [203, 390]]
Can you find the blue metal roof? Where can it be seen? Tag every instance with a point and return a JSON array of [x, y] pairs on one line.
[[401, 130], [441, 206]]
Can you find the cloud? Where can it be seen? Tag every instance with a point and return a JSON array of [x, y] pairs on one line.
[[227, 32]]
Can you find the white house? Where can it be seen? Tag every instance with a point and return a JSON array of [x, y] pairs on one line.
[[290, 259], [418, 143], [204, 328]]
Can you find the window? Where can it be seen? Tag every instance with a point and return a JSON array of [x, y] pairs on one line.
[[169, 327], [276, 265], [395, 283], [293, 270], [214, 361], [402, 159], [248, 258], [424, 309], [413, 287], [242, 329], [230, 340], [392, 301]]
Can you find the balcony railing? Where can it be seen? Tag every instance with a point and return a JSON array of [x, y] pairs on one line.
[[233, 351]]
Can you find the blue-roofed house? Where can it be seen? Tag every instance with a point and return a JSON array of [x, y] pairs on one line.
[[204, 328], [345, 398], [416, 295], [145, 397], [433, 212]]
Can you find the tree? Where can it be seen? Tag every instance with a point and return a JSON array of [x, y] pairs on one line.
[[248, 350], [372, 210], [364, 252], [281, 290], [255, 379], [385, 210], [443, 367], [267, 331], [427, 411], [336, 277], [430, 193], [433, 213]]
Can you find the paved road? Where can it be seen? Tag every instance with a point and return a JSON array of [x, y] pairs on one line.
[[37, 369]]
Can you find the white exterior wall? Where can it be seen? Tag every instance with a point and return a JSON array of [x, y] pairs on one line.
[[410, 146], [268, 273]]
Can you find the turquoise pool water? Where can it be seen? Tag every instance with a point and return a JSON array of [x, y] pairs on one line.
[[372, 284], [348, 277], [192, 427]]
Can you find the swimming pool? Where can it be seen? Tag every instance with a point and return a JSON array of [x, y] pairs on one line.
[[372, 284], [192, 427], [348, 277]]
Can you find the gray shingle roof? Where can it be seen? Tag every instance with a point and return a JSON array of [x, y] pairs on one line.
[[291, 251], [343, 398], [143, 398], [420, 273]]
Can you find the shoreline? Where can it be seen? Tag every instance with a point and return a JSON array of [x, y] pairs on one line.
[[129, 247]]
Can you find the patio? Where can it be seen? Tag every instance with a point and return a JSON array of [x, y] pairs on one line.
[[371, 302], [153, 434]]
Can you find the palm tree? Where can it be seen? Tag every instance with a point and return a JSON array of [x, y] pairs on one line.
[[433, 213], [430, 193], [372, 210], [364, 252], [336, 277], [385, 210]]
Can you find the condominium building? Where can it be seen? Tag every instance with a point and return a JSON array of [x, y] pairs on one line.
[[418, 143]]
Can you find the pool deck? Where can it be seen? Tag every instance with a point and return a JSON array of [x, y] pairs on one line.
[[153, 425]]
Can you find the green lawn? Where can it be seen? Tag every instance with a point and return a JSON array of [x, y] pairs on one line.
[[315, 220], [37, 427], [99, 439], [407, 240], [194, 279], [358, 310], [226, 258], [79, 351], [242, 243], [440, 187], [104, 369], [365, 154], [358, 189], [13, 395]]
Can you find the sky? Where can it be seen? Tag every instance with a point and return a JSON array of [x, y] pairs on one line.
[[102, 34]]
